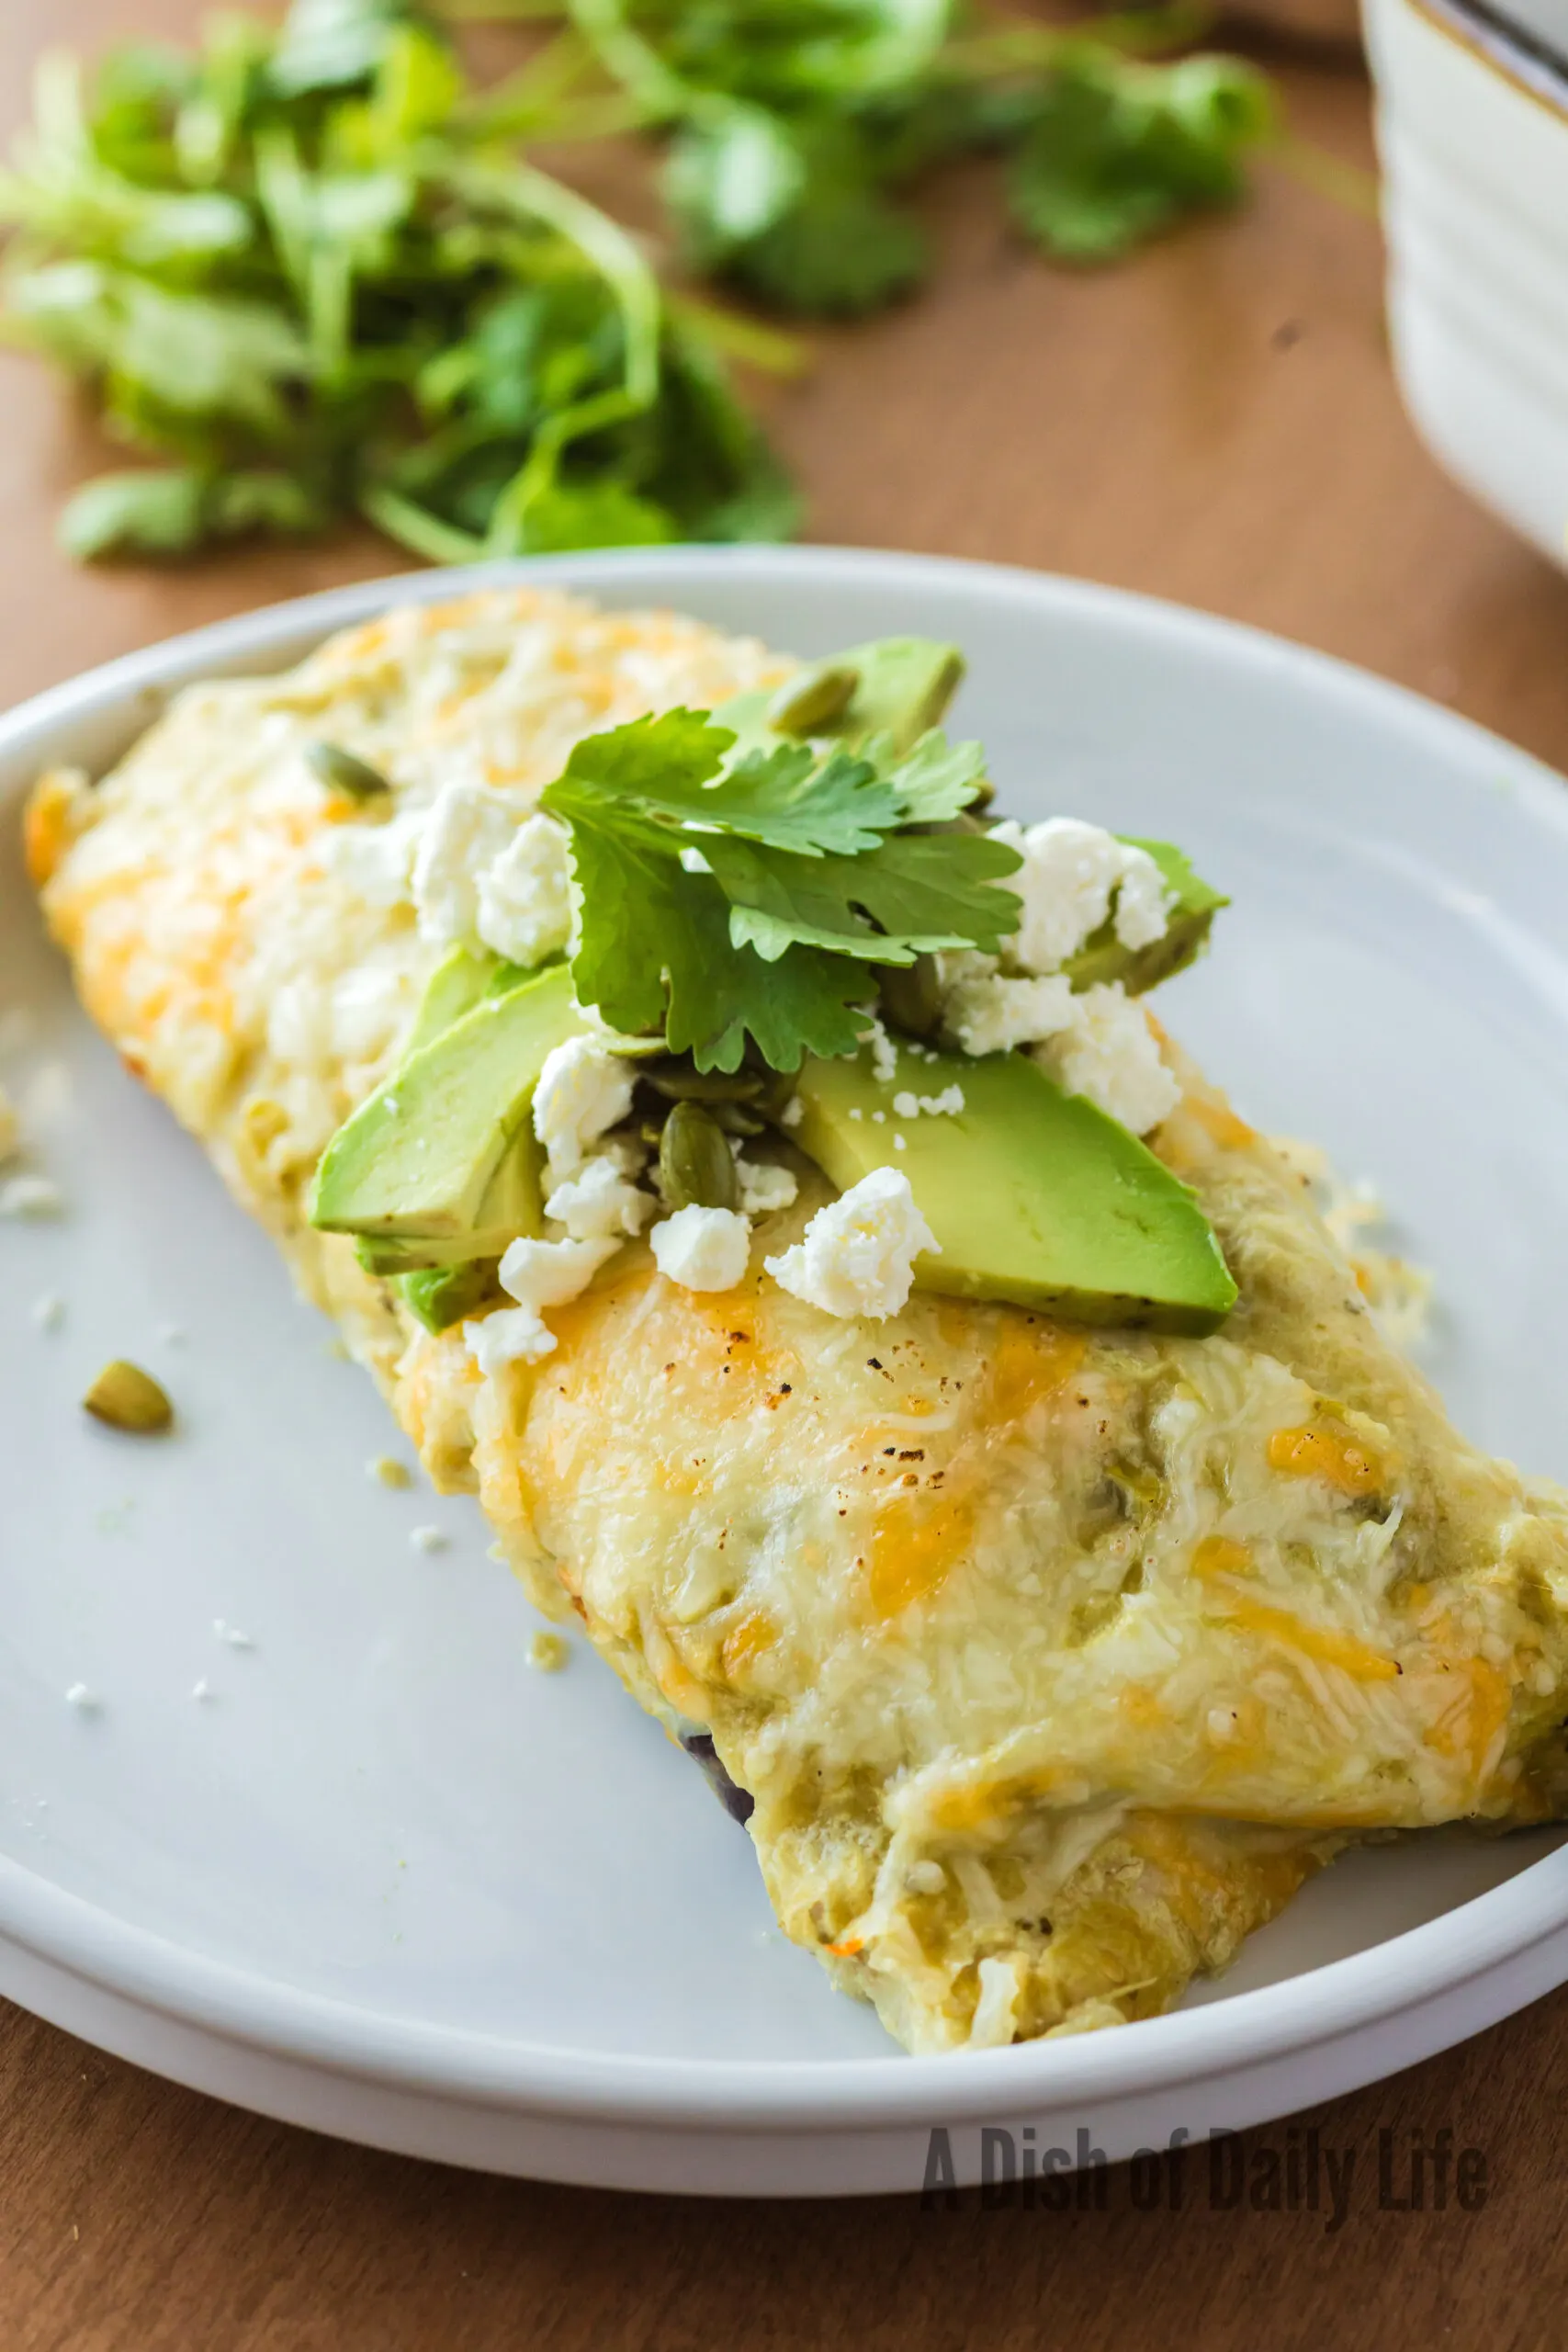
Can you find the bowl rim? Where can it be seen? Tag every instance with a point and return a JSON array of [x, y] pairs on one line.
[[1320, 2005], [1493, 40]]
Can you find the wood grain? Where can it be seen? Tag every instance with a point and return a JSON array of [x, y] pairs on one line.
[[1217, 424]]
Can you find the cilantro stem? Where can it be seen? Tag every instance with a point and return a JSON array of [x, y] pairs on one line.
[[414, 527], [501, 12], [634, 62], [542, 94], [1019, 45], [1327, 175], [766, 349]]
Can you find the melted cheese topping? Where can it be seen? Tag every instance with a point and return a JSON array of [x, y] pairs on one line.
[[1054, 1659]]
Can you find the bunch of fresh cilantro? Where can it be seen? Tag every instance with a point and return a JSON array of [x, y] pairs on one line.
[[798, 127], [729, 892], [308, 268], [305, 267]]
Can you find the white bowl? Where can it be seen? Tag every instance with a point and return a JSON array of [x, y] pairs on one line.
[[1472, 131], [387, 1883]]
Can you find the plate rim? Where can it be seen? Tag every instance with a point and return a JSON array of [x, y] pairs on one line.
[[265, 2014]]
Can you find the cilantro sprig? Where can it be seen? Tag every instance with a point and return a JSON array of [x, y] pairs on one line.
[[729, 892], [798, 129]]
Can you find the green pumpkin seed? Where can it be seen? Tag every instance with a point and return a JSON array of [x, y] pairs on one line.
[[129, 1398], [737, 1119], [911, 996], [343, 771], [696, 1167], [967, 821], [813, 697], [680, 1082]]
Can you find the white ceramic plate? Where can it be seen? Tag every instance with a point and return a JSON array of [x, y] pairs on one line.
[[386, 1881]]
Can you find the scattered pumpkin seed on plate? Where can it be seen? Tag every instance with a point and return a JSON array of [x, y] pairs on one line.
[[128, 1398]]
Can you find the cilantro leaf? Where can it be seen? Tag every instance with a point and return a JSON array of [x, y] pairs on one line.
[[788, 796], [654, 950], [792, 209], [594, 514], [1118, 154], [720, 993], [674, 754], [925, 892], [937, 780], [157, 511], [163, 511], [732, 177], [793, 799], [840, 250]]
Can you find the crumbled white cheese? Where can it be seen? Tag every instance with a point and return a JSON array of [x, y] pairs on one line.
[[858, 1254], [884, 1052], [467, 830], [375, 862], [1144, 902], [536, 1274], [85, 1700], [764, 1185], [524, 895], [231, 1634], [988, 1013], [703, 1248], [10, 1127], [428, 1539], [583, 1088], [947, 1104], [1109, 1053], [201, 1688], [1069, 874], [30, 1197], [597, 1199], [49, 1312], [793, 1113]]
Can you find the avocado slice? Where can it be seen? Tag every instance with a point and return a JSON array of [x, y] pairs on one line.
[[443, 1294], [418, 1157], [511, 1206], [460, 981], [456, 985], [904, 684], [1034, 1195], [1103, 958]]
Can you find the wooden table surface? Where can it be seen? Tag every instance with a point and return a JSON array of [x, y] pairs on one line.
[[1217, 424]]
